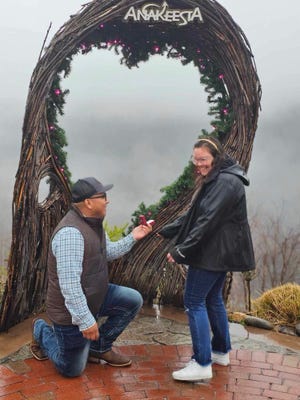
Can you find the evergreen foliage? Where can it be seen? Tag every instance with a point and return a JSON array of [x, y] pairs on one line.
[[55, 107], [171, 193]]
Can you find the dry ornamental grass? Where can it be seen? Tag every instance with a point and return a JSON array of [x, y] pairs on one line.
[[280, 305]]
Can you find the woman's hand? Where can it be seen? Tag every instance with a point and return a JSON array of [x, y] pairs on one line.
[[170, 258]]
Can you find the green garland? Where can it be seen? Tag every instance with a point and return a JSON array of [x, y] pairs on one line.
[[171, 194], [134, 44], [55, 106]]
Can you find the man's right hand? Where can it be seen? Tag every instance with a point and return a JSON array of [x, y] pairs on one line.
[[140, 231], [91, 333]]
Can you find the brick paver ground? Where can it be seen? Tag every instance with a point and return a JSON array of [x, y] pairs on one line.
[[252, 375]]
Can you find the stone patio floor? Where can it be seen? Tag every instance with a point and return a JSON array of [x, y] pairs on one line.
[[258, 370]]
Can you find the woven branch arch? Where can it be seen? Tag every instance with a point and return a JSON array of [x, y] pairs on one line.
[[222, 42]]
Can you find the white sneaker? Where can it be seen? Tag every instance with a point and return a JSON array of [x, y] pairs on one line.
[[193, 372], [221, 359]]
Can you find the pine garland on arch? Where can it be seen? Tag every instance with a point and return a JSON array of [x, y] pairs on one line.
[[221, 52]]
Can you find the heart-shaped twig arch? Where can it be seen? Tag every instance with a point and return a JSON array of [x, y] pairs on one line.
[[221, 41]]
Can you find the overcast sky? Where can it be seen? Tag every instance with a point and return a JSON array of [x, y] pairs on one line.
[[136, 128]]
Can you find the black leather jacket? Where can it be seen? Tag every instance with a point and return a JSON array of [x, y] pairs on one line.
[[214, 233]]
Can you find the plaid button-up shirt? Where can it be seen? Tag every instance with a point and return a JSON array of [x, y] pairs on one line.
[[68, 248]]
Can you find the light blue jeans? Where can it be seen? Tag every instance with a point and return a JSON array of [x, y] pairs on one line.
[[68, 349], [207, 315]]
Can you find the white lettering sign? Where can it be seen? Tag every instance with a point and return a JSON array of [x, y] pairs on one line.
[[151, 12]]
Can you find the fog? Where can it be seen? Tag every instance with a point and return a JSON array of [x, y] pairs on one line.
[[136, 128]]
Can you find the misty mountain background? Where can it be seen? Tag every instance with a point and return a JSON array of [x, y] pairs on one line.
[[136, 128]]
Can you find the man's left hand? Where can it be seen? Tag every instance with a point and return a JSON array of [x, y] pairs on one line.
[[139, 232]]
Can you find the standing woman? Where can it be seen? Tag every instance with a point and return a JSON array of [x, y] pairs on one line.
[[212, 238]]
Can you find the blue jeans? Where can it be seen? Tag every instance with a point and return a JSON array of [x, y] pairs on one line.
[[68, 349], [206, 312]]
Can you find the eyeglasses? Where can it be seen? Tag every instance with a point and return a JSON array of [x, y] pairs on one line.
[[100, 196], [198, 161]]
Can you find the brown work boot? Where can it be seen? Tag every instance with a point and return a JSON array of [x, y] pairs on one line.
[[110, 357], [35, 348]]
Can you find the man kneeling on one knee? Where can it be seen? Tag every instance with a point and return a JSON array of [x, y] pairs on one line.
[[78, 289]]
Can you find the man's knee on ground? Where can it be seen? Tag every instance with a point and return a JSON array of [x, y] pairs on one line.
[[71, 371]]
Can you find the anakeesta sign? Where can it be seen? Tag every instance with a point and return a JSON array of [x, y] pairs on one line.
[[151, 12]]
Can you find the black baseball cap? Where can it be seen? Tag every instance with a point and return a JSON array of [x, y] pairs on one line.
[[87, 187]]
